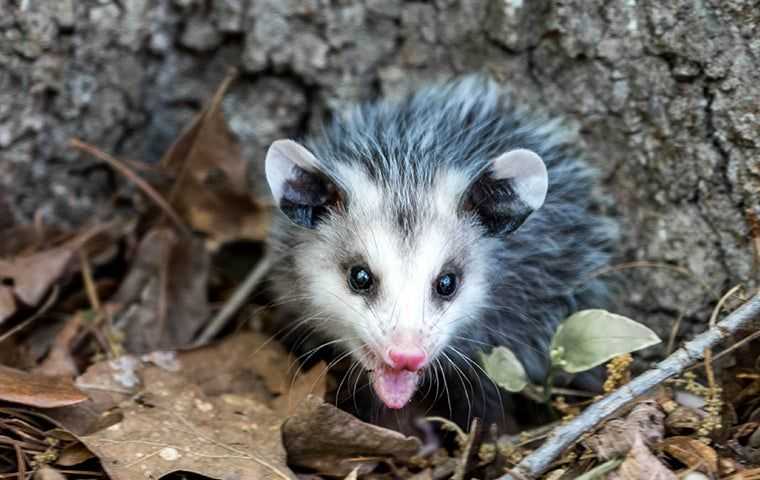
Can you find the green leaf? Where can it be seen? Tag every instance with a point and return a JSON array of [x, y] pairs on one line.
[[505, 369], [591, 337]]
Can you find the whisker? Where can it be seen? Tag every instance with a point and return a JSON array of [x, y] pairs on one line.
[[462, 378]]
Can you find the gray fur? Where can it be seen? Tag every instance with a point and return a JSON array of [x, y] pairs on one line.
[[541, 272]]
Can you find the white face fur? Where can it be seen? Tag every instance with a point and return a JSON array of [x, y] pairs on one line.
[[403, 308], [405, 318]]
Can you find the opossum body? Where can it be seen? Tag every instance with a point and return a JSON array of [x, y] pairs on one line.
[[416, 233]]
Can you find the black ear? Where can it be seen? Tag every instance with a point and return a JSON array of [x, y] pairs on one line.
[[299, 188], [509, 191]]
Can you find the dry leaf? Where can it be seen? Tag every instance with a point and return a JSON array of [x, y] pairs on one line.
[[37, 390], [59, 361], [322, 437], [74, 455], [691, 452], [641, 464], [312, 382], [684, 419], [617, 436], [245, 363], [48, 473], [174, 427], [242, 363], [163, 300], [211, 191], [32, 275], [251, 363], [107, 384], [26, 239]]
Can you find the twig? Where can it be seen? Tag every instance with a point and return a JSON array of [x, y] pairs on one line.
[[728, 350], [719, 306], [89, 282], [238, 298], [689, 354], [467, 451], [708, 368], [674, 333], [134, 178], [48, 303]]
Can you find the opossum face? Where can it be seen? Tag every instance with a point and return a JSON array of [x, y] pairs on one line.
[[394, 276]]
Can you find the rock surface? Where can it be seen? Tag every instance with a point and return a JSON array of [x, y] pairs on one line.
[[664, 94]]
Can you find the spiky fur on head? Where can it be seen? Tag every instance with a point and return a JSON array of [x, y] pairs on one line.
[[403, 167]]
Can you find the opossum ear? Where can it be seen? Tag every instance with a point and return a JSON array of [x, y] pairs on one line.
[[509, 191], [299, 188]]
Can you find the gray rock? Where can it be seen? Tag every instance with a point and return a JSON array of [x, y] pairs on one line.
[[663, 94]]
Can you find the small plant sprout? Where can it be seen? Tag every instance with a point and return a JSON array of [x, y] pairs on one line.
[[592, 337], [583, 341], [505, 369]]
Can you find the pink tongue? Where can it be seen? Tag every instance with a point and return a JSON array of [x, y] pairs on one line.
[[395, 387]]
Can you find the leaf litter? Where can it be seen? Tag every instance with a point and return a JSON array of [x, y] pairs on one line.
[[99, 329]]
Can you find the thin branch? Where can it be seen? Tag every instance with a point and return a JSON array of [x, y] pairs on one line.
[[52, 298], [728, 350], [719, 306], [238, 298], [689, 354], [134, 178], [89, 282]]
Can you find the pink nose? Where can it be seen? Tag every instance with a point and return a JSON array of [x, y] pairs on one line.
[[407, 358]]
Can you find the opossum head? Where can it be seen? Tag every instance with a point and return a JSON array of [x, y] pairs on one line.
[[397, 265]]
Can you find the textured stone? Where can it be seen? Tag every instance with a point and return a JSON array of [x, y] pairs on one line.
[[663, 94]]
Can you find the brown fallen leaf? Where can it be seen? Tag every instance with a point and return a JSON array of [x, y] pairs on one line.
[[253, 364], [312, 382], [32, 275], [322, 437], [59, 360], [37, 390], [7, 303], [107, 384], [641, 464], [48, 473], [645, 422], [25, 239], [242, 363], [74, 455], [211, 191], [246, 364], [691, 452], [163, 299], [173, 426], [684, 420]]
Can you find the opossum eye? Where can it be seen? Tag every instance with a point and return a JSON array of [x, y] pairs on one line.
[[446, 285], [360, 279]]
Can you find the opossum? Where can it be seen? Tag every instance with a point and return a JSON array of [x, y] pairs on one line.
[[414, 233]]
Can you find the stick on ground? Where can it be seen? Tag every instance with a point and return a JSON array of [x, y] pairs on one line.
[[689, 354], [238, 298]]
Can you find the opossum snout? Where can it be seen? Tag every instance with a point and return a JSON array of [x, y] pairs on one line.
[[406, 358]]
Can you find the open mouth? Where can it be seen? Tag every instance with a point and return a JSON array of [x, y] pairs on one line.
[[395, 387]]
